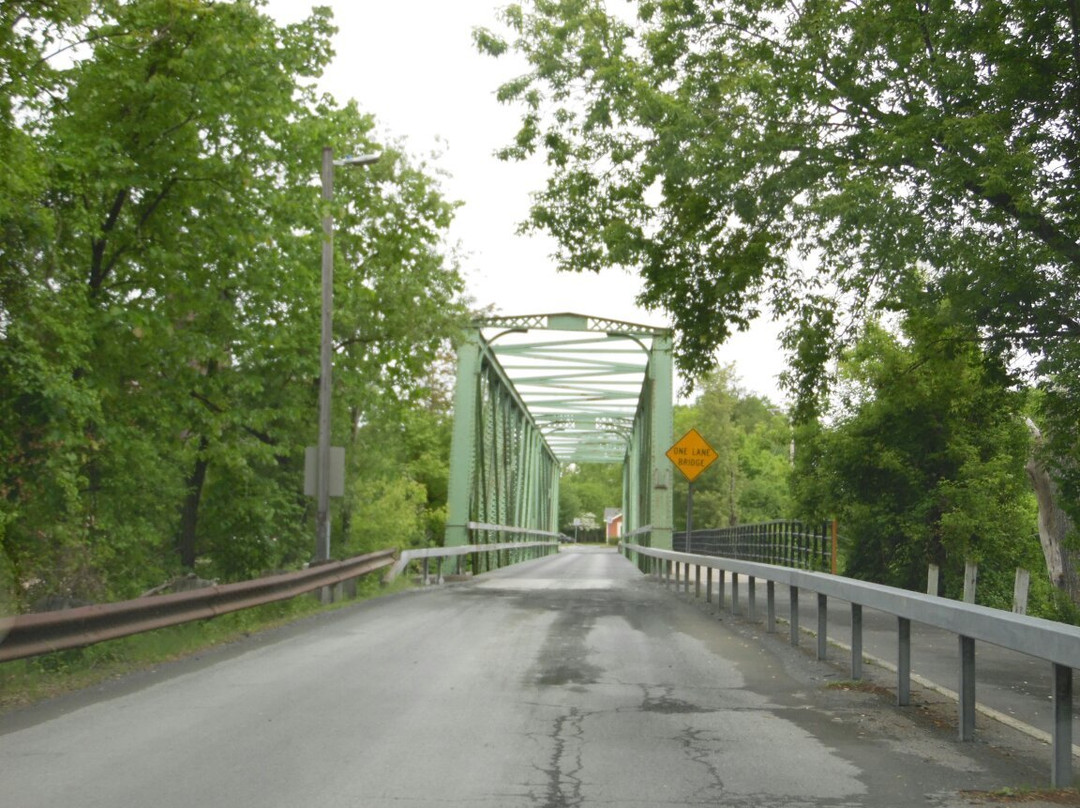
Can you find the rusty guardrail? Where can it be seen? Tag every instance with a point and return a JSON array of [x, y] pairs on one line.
[[31, 634]]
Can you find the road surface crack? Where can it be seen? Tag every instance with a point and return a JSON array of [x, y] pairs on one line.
[[564, 785]]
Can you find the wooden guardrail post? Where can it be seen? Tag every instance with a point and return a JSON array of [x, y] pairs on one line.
[[835, 542], [1020, 591], [971, 578]]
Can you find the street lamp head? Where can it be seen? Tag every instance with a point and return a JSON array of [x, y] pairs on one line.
[[358, 160]]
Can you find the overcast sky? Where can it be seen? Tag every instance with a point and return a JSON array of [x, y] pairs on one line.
[[412, 64]]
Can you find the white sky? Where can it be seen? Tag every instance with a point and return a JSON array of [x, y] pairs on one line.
[[412, 64]]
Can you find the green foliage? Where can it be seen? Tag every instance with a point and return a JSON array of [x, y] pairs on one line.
[[818, 158], [387, 513], [585, 490], [923, 462], [832, 162], [400, 472], [749, 480], [160, 288]]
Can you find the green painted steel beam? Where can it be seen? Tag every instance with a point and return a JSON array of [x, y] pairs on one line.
[[582, 390]]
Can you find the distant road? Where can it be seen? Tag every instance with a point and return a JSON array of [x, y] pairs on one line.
[[568, 681]]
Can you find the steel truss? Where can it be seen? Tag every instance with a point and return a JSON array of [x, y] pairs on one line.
[[583, 390]]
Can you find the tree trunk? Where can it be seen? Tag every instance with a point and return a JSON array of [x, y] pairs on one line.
[[1054, 524], [189, 514]]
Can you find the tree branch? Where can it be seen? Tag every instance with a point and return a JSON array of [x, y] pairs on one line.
[[1030, 221], [98, 269], [262, 437]]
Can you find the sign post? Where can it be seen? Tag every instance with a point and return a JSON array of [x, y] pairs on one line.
[[691, 455]]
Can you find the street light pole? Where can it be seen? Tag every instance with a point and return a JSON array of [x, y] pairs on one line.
[[322, 483]]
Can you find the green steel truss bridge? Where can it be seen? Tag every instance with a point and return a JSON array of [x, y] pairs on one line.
[[538, 392]]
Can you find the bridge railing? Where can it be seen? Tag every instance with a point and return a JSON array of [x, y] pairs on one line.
[[787, 543], [1057, 643], [477, 557]]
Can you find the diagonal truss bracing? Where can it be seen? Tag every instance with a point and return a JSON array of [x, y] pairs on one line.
[[539, 392]]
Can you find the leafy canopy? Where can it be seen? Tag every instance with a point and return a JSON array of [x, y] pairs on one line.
[[923, 462], [811, 157], [160, 289]]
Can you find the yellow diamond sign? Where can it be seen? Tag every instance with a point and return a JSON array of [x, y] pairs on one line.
[[692, 454]]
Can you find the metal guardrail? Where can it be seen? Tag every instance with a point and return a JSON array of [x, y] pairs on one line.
[[29, 635], [32, 634], [1057, 643], [516, 531], [534, 549]]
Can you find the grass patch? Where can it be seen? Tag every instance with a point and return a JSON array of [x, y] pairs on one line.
[[26, 681], [859, 685]]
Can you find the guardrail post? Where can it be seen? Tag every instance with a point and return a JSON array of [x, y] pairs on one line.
[[903, 662], [721, 579], [697, 581], [770, 607], [735, 593], [1020, 590], [966, 689], [971, 577], [833, 548], [751, 598], [794, 616], [1061, 769], [708, 584], [856, 641], [822, 626]]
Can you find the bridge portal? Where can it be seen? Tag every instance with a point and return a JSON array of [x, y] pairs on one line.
[[538, 392]]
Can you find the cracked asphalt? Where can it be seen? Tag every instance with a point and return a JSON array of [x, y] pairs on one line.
[[569, 681]]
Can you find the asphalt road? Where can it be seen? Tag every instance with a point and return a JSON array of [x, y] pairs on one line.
[[568, 681]]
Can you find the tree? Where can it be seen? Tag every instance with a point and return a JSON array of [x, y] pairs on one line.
[[923, 463], [399, 474], [158, 372], [748, 482], [811, 156], [824, 159], [585, 490]]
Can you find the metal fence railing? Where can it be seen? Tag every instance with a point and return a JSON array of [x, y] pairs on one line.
[[786, 543]]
